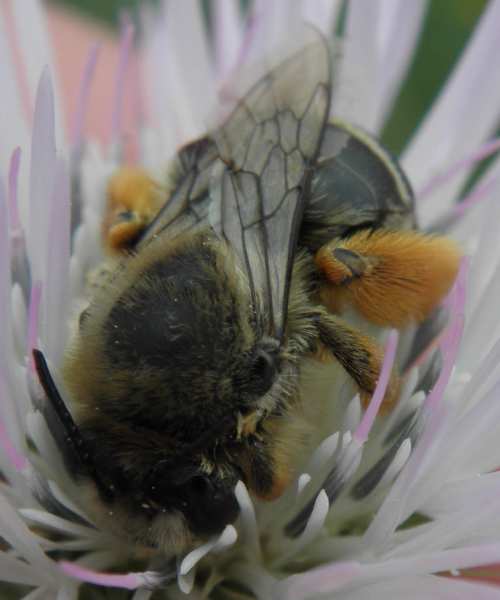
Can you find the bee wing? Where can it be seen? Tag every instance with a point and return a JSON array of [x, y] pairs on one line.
[[267, 147], [188, 204]]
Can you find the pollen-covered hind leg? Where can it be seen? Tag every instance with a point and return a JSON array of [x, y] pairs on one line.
[[133, 199], [392, 278], [360, 356]]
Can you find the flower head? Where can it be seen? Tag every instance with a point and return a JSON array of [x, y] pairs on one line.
[[381, 507]]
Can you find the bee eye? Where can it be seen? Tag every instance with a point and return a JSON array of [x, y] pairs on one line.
[[264, 370]]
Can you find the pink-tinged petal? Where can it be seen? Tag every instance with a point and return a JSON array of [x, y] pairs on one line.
[[17, 460], [228, 34], [82, 105], [14, 221], [126, 41], [457, 168], [36, 50], [449, 129], [129, 581], [12, 118], [480, 192], [43, 167], [322, 580], [396, 507], [400, 24], [56, 283], [363, 430], [353, 97]]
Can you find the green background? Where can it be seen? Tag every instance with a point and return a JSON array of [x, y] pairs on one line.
[[447, 27]]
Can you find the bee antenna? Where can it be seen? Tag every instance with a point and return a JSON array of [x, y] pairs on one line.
[[72, 439]]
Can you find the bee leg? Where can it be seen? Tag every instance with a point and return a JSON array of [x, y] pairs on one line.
[[390, 277], [359, 355], [133, 199], [268, 460]]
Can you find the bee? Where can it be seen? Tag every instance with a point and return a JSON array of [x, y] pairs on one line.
[[185, 370]]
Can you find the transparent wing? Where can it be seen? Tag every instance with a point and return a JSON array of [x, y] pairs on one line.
[[267, 148], [188, 205]]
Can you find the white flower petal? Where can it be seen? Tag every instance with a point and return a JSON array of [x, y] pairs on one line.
[[46, 519], [353, 98], [56, 301], [188, 67], [399, 26], [17, 534], [248, 531], [17, 571], [35, 48], [228, 35], [449, 131], [423, 588], [43, 167], [321, 13], [78, 123], [318, 581]]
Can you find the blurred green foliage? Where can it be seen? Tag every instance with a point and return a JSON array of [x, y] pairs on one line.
[[446, 29]]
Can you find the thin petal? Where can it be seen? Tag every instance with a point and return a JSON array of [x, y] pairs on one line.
[[17, 534], [460, 119], [36, 50], [56, 301], [354, 94], [228, 34], [423, 588], [400, 24], [363, 430], [43, 167], [321, 13]]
